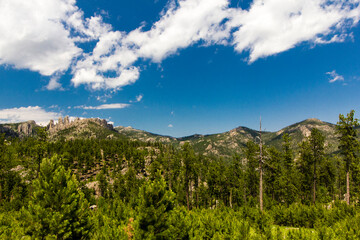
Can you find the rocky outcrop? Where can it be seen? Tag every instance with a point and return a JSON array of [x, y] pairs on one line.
[[26, 128], [66, 120], [65, 123]]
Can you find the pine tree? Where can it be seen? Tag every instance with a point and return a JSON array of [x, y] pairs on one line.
[[57, 207], [317, 141], [188, 157], [40, 148], [288, 175], [305, 165], [287, 152], [251, 173], [155, 206], [348, 144]]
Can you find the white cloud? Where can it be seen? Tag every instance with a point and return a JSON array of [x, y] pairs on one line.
[[54, 106], [105, 106], [43, 36], [273, 26], [54, 83], [182, 25], [138, 98], [104, 98], [33, 36], [21, 114], [337, 38], [333, 76], [170, 126], [267, 28]]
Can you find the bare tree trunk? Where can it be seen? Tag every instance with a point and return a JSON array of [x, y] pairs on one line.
[[348, 187], [261, 189], [230, 198]]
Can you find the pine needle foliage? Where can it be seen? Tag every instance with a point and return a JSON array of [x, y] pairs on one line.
[[57, 208]]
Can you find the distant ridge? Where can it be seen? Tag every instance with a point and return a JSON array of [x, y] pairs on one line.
[[224, 144]]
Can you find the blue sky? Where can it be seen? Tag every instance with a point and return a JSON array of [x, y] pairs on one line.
[[180, 67]]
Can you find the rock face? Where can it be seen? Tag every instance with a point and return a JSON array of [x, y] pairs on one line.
[[65, 123], [66, 120], [26, 128]]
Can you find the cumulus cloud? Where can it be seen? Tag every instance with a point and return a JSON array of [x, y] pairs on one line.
[[273, 26], [21, 114], [268, 27], [105, 106], [333, 76], [47, 35], [42, 35], [183, 24], [33, 36], [170, 126]]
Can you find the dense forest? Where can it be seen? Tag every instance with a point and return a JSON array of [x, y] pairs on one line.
[[121, 189]]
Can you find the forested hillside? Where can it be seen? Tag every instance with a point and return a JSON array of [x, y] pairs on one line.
[[119, 188], [223, 145]]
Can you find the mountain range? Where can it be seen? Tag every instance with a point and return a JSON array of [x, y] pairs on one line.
[[222, 144]]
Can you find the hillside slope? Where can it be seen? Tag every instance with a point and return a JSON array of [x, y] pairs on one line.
[[230, 142], [223, 144]]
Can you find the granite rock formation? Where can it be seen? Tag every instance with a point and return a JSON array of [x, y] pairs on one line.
[[26, 128], [65, 123], [23, 129]]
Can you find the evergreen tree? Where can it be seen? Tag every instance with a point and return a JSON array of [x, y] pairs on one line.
[[154, 209], [251, 172], [348, 144], [305, 170], [287, 152], [188, 157], [10, 180], [236, 181], [288, 175], [103, 183], [40, 148], [317, 141], [57, 208], [4, 164], [272, 172]]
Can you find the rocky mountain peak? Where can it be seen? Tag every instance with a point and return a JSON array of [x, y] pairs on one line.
[[65, 123]]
